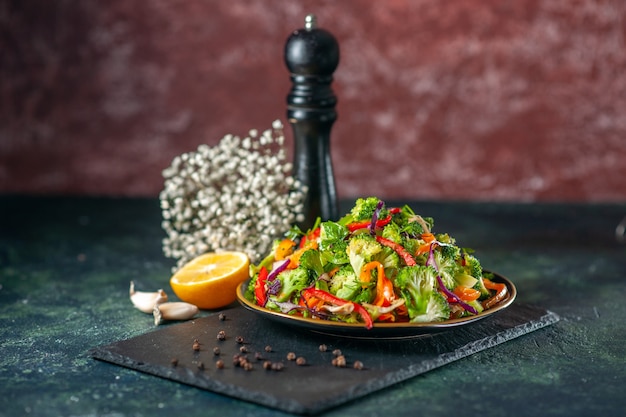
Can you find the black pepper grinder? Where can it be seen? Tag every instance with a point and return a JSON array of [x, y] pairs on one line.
[[312, 55]]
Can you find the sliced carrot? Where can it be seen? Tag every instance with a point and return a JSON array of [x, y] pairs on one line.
[[466, 293], [422, 249], [427, 237], [384, 287], [295, 256], [284, 249]]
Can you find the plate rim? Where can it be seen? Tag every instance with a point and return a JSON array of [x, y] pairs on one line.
[[337, 328]]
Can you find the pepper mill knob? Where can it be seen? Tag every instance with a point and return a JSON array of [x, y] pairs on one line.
[[312, 55]]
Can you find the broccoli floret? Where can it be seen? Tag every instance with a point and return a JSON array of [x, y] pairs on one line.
[[292, 281], [437, 309], [361, 249], [446, 238], [364, 208], [416, 284], [450, 251], [472, 266], [413, 229], [448, 267], [390, 260], [392, 232], [412, 245], [344, 283], [249, 294], [337, 256]]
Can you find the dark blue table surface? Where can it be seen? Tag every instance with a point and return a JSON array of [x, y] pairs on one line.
[[65, 265]]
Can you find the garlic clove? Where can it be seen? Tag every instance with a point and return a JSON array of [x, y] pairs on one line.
[[173, 311], [145, 301]]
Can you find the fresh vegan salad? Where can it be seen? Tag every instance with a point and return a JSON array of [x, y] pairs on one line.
[[377, 264]]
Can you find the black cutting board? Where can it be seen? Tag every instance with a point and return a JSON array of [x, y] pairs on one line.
[[318, 385]]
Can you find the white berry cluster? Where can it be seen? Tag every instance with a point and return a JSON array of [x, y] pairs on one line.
[[238, 196]]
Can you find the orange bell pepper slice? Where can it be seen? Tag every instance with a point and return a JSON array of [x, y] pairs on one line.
[[466, 293], [384, 288]]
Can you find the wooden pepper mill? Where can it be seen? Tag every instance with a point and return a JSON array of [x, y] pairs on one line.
[[312, 55]]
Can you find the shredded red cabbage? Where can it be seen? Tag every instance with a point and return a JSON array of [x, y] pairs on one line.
[[452, 295], [280, 268], [431, 262], [273, 287], [379, 207]]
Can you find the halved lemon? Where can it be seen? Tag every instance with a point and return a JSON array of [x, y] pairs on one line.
[[210, 281]]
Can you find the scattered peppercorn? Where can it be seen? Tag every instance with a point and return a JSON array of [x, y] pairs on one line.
[[323, 348], [221, 335], [243, 349], [247, 366], [337, 352], [196, 345], [268, 348], [216, 351], [300, 361], [277, 366], [219, 364], [339, 361], [241, 361], [291, 356], [239, 339], [258, 356], [267, 365], [358, 365], [221, 316]]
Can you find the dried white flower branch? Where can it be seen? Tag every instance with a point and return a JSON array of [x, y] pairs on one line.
[[238, 195]]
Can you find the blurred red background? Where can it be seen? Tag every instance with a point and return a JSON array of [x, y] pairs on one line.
[[460, 100]]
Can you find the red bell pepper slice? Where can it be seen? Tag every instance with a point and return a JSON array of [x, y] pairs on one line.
[[366, 223], [404, 254], [260, 291], [332, 299], [312, 235], [380, 223]]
